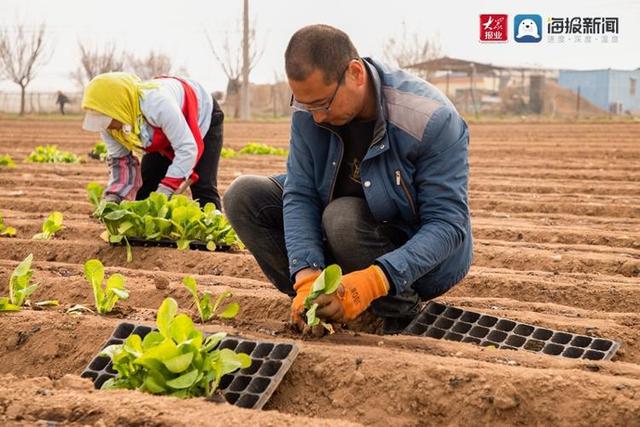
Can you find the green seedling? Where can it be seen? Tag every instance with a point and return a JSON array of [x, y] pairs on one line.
[[228, 153], [7, 161], [95, 192], [5, 230], [203, 302], [176, 360], [99, 151], [180, 220], [114, 290], [51, 226], [263, 149], [327, 283], [20, 288], [51, 154]]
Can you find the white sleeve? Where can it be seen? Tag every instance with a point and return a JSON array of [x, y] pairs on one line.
[[114, 148], [163, 111]]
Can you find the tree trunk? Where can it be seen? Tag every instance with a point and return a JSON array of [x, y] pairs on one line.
[[22, 99]]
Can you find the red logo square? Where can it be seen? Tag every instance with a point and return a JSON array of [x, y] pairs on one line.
[[493, 28]]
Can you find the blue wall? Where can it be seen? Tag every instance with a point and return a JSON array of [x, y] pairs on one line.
[[619, 89], [602, 87]]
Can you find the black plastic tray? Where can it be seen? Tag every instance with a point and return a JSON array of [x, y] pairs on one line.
[[249, 388], [456, 324], [166, 243]]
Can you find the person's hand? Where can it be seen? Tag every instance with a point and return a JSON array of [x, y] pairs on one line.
[[111, 197], [356, 292], [304, 282]]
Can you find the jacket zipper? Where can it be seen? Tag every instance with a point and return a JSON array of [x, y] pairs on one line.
[[400, 183], [335, 175], [337, 167]]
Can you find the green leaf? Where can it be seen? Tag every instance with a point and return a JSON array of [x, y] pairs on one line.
[[230, 311], [179, 363], [180, 328], [166, 313], [184, 381], [312, 319], [94, 273], [5, 305], [152, 385], [133, 345], [19, 282], [152, 339], [213, 340]]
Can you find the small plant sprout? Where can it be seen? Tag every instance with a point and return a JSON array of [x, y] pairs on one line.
[[203, 302], [51, 154], [175, 360], [99, 151], [94, 192], [107, 297], [7, 161], [263, 149], [327, 283], [51, 226], [6, 230], [227, 153], [20, 288]]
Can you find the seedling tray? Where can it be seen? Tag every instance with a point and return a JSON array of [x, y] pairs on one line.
[[166, 243], [441, 321], [248, 388]]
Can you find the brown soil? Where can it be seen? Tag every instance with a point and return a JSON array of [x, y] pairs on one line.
[[556, 220]]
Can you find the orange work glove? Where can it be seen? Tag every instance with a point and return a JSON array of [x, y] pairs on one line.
[[302, 288], [356, 292]]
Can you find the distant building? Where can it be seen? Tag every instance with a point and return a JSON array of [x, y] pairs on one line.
[[615, 91]]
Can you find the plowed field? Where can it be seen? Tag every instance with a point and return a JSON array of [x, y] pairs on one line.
[[556, 221]]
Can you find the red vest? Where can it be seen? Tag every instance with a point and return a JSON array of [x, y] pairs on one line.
[[161, 144]]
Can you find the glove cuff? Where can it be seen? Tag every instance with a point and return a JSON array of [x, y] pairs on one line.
[[163, 189]]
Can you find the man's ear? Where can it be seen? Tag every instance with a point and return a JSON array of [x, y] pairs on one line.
[[357, 72]]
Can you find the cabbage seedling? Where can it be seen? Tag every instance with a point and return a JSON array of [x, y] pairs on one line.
[[203, 302], [327, 283], [175, 360], [51, 226], [107, 297]]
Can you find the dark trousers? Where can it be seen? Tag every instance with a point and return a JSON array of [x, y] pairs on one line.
[[154, 166], [353, 239]]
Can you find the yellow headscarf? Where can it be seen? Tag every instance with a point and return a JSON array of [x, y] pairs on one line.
[[118, 96]]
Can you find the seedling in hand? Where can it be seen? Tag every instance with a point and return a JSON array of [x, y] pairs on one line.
[[327, 283]]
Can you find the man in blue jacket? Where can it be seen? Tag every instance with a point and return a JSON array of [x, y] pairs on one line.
[[376, 182]]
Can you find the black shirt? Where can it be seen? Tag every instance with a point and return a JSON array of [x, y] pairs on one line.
[[356, 138]]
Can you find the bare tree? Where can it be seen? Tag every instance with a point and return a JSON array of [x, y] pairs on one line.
[[237, 59], [155, 64], [411, 49], [96, 61], [21, 55]]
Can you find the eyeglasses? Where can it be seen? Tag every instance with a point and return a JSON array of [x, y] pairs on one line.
[[298, 106]]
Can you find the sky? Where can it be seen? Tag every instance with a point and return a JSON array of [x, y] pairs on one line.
[[177, 29]]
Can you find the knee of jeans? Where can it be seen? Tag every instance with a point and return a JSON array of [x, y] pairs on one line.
[[239, 198], [342, 216]]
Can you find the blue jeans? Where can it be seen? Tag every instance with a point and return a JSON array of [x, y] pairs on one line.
[[353, 239]]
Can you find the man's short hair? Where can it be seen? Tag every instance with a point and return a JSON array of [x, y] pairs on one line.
[[318, 47]]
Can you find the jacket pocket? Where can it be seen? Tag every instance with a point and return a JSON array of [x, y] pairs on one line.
[[400, 183]]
